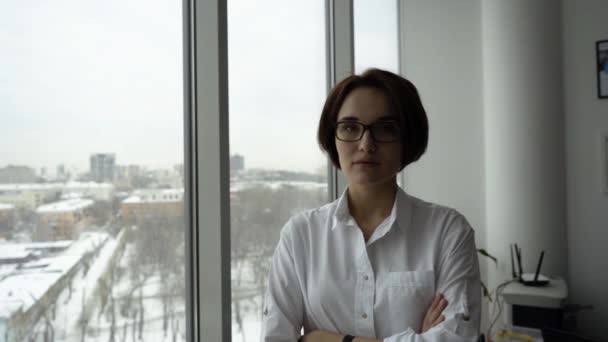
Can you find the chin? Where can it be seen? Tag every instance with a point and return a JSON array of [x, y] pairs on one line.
[[362, 180]]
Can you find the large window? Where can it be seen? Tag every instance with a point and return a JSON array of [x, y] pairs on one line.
[[376, 39], [376, 35], [93, 212], [91, 171], [277, 85]]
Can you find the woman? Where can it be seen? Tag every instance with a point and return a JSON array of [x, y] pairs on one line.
[[376, 264]]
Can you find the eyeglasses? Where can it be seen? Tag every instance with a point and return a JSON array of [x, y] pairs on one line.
[[386, 131]]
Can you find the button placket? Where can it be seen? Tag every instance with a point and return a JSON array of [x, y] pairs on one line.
[[364, 302]]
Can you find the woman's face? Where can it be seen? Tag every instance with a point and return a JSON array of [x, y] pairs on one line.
[[367, 106]]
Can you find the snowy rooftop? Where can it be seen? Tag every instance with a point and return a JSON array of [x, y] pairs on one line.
[[44, 245], [244, 185], [4, 206], [65, 206], [29, 186], [89, 185], [10, 250], [53, 186], [155, 195], [71, 195], [13, 251], [22, 287], [22, 290]]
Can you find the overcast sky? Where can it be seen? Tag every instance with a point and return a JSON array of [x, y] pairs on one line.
[[80, 77]]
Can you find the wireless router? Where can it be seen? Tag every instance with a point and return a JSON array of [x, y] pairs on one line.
[[528, 279]]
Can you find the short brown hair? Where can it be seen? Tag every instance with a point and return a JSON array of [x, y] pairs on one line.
[[403, 100]]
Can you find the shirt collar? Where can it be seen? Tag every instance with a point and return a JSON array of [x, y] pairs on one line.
[[401, 213], [341, 214]]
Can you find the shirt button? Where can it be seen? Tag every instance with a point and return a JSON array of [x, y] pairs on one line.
[[366, 278], [364, 316]]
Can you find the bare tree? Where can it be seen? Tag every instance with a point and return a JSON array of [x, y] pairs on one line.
[[124, 332], [134, 319], [112, 319], [175, 327], [100, 212], [257, 217], [141, 313], [157, 249], [83, 322]]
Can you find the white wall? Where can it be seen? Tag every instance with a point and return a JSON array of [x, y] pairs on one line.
[[515, 125], [442, 57], [585, 22], [510, 90], [524, 139]]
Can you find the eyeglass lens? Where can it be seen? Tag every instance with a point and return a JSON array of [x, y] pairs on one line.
[[381, 131]]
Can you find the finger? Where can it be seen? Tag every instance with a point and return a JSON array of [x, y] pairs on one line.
[[438, 320], [443, 303], [439, 306], [429, 313], [432, 306], [438, 310], [436, 300]]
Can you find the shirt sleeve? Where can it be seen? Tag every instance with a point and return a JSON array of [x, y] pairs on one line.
[[282, 314], [459, 281]]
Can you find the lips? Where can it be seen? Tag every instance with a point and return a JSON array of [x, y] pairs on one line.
[[365, 162]]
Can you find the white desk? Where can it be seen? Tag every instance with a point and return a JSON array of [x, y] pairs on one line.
[[551, 296]]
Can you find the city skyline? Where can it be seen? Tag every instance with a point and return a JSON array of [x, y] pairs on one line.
[[87, 78], [62, 172]]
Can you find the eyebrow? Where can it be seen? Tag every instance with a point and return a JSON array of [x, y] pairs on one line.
[[382, 118]]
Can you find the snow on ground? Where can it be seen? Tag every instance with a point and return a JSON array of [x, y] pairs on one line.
[[70, 304], [251, 322], [22, 286], [127, 328]]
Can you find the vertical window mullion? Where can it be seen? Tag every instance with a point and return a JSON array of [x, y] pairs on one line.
[[401, 61], [211, 170], [189, 179], [341, 64]]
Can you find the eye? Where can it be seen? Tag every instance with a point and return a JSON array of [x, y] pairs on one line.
[[387, 127], [348, 127]]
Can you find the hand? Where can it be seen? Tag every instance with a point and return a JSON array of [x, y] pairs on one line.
[[324, 336], [434, 315], [321, 336]]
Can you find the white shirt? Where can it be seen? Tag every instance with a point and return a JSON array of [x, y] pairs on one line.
[[325, 276]]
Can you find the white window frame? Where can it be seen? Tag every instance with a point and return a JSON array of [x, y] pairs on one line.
[[341, 64], [401, 60], [207, 171]]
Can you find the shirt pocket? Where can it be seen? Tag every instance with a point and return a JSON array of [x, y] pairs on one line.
[[411, 279], [403, 299]]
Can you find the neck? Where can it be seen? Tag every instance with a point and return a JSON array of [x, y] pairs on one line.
[[371, 204]]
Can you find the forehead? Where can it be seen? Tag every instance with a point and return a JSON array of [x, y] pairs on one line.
[[365, 104]]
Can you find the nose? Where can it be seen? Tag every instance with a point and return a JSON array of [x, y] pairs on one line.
[[367, 143]]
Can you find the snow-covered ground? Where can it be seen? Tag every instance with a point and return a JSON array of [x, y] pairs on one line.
[[70, 304], [251, 322], [23, 286], [69, 308], [127, 326]]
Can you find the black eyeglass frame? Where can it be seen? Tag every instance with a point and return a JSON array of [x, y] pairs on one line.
[[368, 127]]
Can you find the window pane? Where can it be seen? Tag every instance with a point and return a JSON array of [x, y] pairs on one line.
[[91, 171], [376, 35], [277, 80]]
